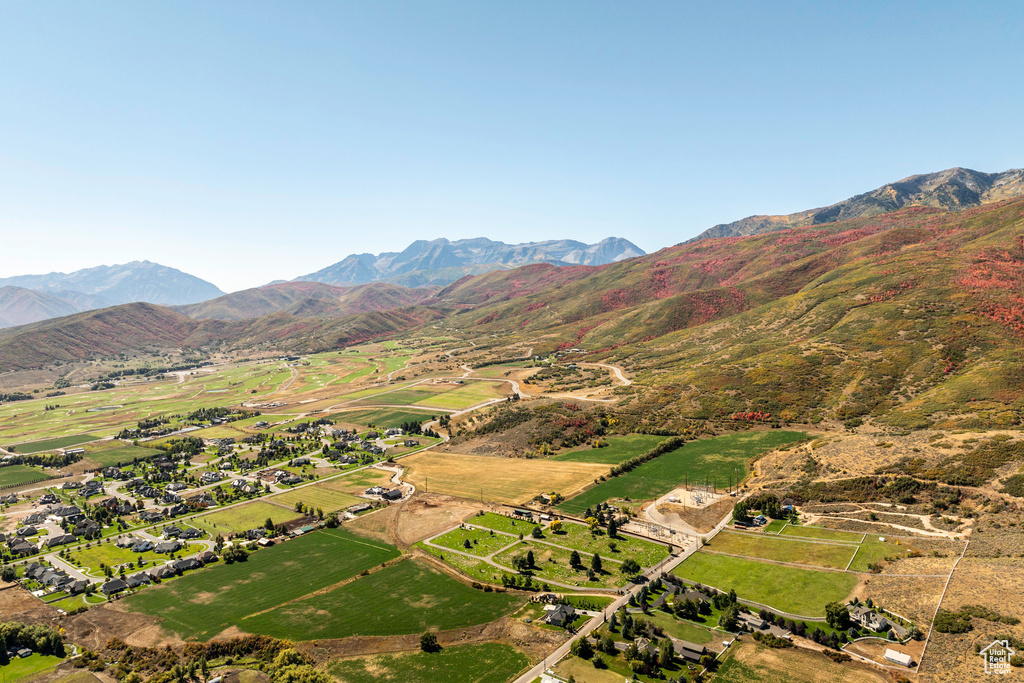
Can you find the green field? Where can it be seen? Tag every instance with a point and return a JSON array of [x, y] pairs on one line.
[[577, 536], [714, 460], [822, 534], [19, 668], [779, 549], [242, 518], [509, 525], [682, 629], [481, 663], [619, 449], [120, 456], [802, 592], [483, 543], [382, 417], [552, 563], [107, 554], [406, 597], [52, 444], [466, 396], [204, 603], [17, 475], [318, 496]]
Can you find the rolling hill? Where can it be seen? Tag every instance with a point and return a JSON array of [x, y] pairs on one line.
[[20, 306]]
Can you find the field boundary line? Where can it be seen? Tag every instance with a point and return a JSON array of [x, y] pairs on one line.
[[938, 606], [850, 564], [803, 539], [787, 564], [352, 540]]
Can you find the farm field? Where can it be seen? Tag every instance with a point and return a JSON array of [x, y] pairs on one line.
[[52, 444], [358, 481], [715, 460], [482, 543], [204, 603], [749, 662], [242, 518], [382, 417], [821, 533], [802, 592], [317, 496], [468, 395], [120, 456], [778, 549], [496, 479], [480, 663], [406, 597], [19, 669], [619, 449], [18, 475], [473, 568], [510, 525]]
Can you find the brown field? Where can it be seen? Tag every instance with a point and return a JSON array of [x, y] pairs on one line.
[[912, 597], [759, 664], [503, 480]]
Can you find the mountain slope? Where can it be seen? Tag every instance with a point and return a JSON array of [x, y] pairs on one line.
[[952, 189], [442, 261], [305, 300], [121, 284], [20, 306]]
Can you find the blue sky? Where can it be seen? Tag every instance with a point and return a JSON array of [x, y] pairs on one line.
[[250, 141]]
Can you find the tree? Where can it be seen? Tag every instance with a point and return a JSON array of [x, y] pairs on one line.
[[730, 618], [574, 560], [536, 533], [467, 545], [8, 574], [837, 615], [268, 524], [666, 654], [428, 642], [529, 558], [555, 526], [631, 568], [581, 648], [613, 528], [595, 563]]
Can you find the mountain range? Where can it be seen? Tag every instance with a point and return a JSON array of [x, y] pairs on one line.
[[953, 189], [441, 261]]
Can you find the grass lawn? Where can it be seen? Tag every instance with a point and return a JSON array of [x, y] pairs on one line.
[[510, 525], [793, 590], [715, 460], [242, 518], [822, 533], [553, 564], [577, 536], [475, 569], [775, 526], [467, 396], [382, 417], [481, 663], [19, 668], [595, 603], [406, 597], [357, 482], [16, 475], [872, 550], [318, 496], [120, 456], [482, 543], [683, 630], [204, 603], [619, 449], [779, 549], [110, 555], [52, 444]]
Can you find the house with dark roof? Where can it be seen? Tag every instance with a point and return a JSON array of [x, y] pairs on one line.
[[393, 494], [187, 564], [689, 651], [113, 586], [207, 556], [140, 579], [61, 539], [561, 615], [167, 547]]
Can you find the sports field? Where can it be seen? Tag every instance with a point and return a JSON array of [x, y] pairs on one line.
[[53, 444], [802, 592], [17, 475], [317, 496], [503, 480], [242, 518], [715, 460], [479, 663], [619, 449], [204, 603], [781, 549], [406, 597]]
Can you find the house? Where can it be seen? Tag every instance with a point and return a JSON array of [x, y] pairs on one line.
[[866, 617], [300, 461], [65, 511], [9, 500], [901, 658], [752, 622], [361, 507], [61, 539], [112, 472], [190, 533], [211, 477], [48, 499], [27, 531], [188, 564], [34, 518], [76, 587], [255, 534], [140, 579], [176, 486], [71, 485], [23, 652], [142, 546], [394, 431], [170, 498], [373, 435], [178, 510], [167, 547], [207, 556], [126, 541], [347, 460], [34, 570], [689, 651], [291, 480], [760, 520], [375, 450], [171, 532], [151, 516], [86, 527], [897, 629], [409, 443], [21, 548], [164, 572], [113, 586], [393, 494], [561, 615], [375, 491]]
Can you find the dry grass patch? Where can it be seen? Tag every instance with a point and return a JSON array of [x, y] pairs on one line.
[[497, 479]]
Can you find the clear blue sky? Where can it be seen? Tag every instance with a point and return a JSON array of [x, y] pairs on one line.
[[250, 141]]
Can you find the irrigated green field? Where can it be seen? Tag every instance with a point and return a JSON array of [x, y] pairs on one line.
[[318, 496], [802, 592], [204, 603], [821, 533], [17, 475], [406, 597], [120, 456], [780, 549], [467, 396], [619, 449], [242, 518], [382, 417], [715, 460], [481, 663], [481, 542], [52, 444]]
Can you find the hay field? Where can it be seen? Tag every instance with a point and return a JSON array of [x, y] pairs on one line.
[[317, 496], [503, 480]]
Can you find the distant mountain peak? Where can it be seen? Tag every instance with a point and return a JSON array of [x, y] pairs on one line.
[[442, 261], [951, 189]]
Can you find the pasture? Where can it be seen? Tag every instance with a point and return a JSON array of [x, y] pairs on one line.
[[242, 518], [478, 663], [467, 395], [821, 533], [716, 460], [120, 456], [781, 549], [202, 604], [382, 417], [94, 559], [317, 496], [619, 449], [52, 444], [794, 590], [577, 536], [19, 475], [406, 597], [481, 542], [497, 479]]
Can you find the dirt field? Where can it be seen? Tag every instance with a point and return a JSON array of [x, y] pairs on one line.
[[703, 519], [502, 480], [912, 597], [757, 664]]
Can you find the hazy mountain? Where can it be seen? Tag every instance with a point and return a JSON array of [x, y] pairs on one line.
[[20, 306], [441, 261], [305, 300], [952, 189], [120, 284]]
